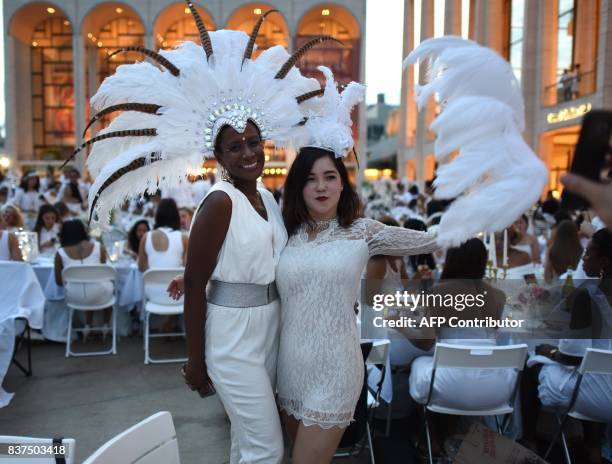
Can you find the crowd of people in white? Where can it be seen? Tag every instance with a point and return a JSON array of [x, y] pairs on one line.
[[555, 244]]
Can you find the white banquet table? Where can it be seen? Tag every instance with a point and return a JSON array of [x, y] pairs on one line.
[[21, 297]]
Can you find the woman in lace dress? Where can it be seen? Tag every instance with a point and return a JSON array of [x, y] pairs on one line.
[[320, 365]]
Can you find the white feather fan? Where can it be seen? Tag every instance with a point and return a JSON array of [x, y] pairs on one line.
[[496, 176]]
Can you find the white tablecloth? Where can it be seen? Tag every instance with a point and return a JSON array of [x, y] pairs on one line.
[[21, 296]]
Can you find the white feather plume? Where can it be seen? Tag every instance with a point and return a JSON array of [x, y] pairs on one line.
[[329, 121], [225, 89], [496, 176]]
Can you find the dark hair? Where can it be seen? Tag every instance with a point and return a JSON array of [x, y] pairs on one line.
[[388, 221], [167, 215], [61, 209], [74, 190], [602, 239], [294, 208], [24, 182], [414, 190], [469, 261], [44, 209], [133, 241], [73, 232], [566, 250], [418, 260]]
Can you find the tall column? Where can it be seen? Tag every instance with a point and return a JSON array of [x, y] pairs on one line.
[[530, 74], [548, 51], [452, 17], [80, 98], [10, 99], [363, 121], [427, 29], [407, 85], [604, 68]]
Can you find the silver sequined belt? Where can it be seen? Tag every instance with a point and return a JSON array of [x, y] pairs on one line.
[[238, 295]]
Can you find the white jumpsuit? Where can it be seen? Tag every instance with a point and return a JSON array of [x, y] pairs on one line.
[[242, 343]]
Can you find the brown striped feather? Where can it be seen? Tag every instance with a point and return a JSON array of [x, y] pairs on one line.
[[140, 107], [204, 37], [136, 164], [300, 52], [248, 52], [308, 95], [108, 135], [151, 54]]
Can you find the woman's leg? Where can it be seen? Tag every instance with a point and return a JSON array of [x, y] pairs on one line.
[[291, 426], [315, 445], [530, 403], [593, 433]]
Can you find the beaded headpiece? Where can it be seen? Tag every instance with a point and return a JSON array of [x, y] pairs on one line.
[[172, 113]]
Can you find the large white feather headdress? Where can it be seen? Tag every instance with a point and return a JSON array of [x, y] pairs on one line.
[[496, 176], [173, 112], [329, 120]]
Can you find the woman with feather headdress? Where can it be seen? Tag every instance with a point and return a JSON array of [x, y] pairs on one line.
[[320, 363], [213, 101]]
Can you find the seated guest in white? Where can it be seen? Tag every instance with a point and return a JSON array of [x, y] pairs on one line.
[[13, 219], [564, 251], [516, 256], [385, 275], [462, 275], [186, 215], [29, 198], [72, 198], [77, 249], [524, 240], [164, 247], [551, 376], [47, 227], [138, 229], [9, 246]]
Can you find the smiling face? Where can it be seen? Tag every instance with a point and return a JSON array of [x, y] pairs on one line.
[[49, 220], [322, 190], [241, 154]]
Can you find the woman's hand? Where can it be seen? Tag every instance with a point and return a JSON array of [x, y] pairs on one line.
[[176, 288], [197, 379]]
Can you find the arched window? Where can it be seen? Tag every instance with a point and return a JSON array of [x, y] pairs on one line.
[[52, 89], [175, 24], [273, 31]]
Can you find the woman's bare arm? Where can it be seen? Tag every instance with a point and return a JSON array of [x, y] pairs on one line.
[[14, 247], [207, 236], [58, 268], [143, 261]]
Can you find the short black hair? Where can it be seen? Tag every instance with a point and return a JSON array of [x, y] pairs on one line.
[[294, 207], [73, 232], [167, 215], [468, 261]]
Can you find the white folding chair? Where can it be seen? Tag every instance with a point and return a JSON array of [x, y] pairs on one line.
[[475, 357], [594, 362], [87, 275], [158, 302], [38, 450], [151, 441], [379, 359]]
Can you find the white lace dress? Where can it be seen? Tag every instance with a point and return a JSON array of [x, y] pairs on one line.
[[320, 366]]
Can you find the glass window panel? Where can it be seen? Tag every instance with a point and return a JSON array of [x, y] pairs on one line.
[[52, 110]]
